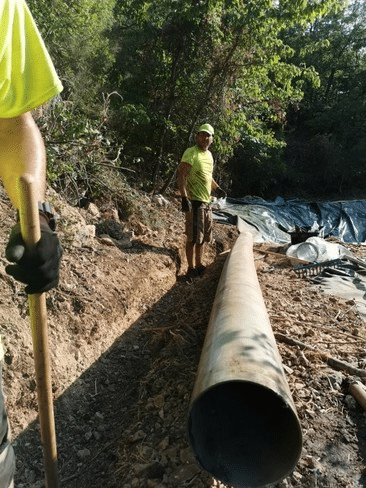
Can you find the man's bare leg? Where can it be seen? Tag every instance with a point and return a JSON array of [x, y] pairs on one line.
[[189, 253], [199, 254]]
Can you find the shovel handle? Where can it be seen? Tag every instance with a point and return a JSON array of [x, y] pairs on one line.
[[31, 233]]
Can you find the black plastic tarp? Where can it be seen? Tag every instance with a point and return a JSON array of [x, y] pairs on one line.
[[345, 220]]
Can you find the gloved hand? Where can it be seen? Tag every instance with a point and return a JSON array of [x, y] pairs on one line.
[[39, 270], [220, 193], [186, 205]]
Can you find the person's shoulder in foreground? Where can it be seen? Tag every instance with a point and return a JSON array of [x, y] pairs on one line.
[[28, 78]]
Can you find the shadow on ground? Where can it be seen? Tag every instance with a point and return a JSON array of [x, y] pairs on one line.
[[97, 410]]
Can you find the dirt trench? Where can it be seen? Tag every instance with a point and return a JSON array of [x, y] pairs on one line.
[[126, 333]]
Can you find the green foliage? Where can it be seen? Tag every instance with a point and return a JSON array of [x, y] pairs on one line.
[[74, 32], [257, 165], [224, 62], [327, 130], [260, 72], [77, 147]]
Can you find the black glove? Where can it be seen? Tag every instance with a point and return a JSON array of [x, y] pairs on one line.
[[40, 269], [186, 205], [220, 193]]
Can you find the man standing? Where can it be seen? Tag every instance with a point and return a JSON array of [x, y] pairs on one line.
[[27, 80], [195, 183]]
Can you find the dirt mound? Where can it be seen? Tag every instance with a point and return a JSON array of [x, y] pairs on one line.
[[126, 333]]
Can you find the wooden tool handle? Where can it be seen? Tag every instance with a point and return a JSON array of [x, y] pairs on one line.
[[31, 233]]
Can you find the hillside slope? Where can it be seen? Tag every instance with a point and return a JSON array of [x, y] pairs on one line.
[[125, 338]]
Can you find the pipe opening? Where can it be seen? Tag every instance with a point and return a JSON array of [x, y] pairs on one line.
[[244, 434]]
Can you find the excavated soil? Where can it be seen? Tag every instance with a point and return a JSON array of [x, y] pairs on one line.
[[125, 335]]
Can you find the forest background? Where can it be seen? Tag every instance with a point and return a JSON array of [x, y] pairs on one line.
[[283, 82]]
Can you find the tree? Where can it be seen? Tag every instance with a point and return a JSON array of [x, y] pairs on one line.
[[183, 62], [74, 32], [327, 134]]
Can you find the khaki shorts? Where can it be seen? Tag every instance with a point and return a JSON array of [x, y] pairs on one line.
[[199, 223]]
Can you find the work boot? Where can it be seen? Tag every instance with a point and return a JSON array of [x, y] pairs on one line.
[[200, 270], [191, 274]]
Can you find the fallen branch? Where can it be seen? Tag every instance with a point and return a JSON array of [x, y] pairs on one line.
[[112, 166], [340, 332], [334, 363], [283, 256]]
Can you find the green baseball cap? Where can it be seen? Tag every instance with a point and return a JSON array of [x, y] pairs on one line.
[[206, 128]]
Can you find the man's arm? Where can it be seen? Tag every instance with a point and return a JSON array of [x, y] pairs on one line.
[[220, 193], [22, 152], [183, 172], [214, 185]]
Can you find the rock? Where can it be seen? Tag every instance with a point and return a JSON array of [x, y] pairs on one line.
[[184, 473], [297, 476], [107, 241], [76, 232], [139, 468], [154, 470], [147, 453], [31, 476], [111, 228], [164, 443], [120, 243], [83, 453], [350, 402], [171, 453], [287, 369], [283, 484], [160, 200], [123, 243], [109, 212], [91, 230], [141, 229], [93, 210], [35, 484], [88, 435], [186, 456], [138, 436], [336, 380], [115, 215], [154, 484]]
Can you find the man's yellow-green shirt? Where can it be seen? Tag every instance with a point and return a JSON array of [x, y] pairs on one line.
[[199, 179], [27, 75]]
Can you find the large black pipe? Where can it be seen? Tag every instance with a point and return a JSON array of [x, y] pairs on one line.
[[243, 426]]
